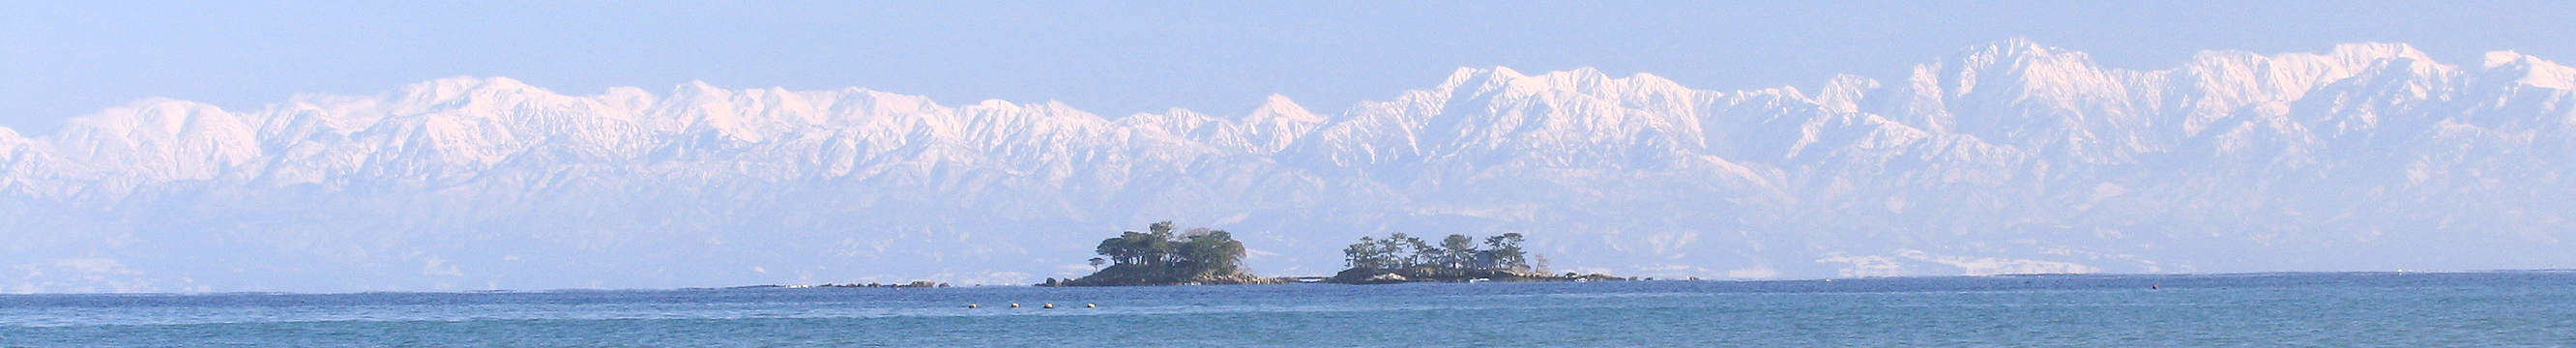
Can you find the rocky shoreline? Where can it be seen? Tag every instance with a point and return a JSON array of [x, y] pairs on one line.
[[914, 284], [1100, 280], [1427, 275]]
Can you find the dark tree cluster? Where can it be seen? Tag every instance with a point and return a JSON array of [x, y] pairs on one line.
[[1454, 254], [1160, 256]]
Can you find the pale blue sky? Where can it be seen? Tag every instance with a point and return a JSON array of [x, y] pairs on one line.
[[61, 59]]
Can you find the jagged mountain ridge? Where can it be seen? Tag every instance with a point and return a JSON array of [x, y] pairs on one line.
[[2006, 158]]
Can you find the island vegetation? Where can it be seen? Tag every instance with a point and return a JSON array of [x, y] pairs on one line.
[[1160, 256], [1399, 258]]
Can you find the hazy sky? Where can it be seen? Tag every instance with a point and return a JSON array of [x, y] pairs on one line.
[[65, 58]]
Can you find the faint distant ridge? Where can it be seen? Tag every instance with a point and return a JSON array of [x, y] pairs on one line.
[[2006, 158]]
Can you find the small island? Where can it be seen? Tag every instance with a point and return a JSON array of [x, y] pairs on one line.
[[1200, 256], [1158, 256], [1405, 259]]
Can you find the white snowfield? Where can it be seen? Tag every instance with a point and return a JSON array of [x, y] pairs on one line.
[[2007, 158]]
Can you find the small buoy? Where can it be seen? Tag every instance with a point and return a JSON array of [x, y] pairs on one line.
[[2153, 287], [1015, 305], [1050, 306], [1088, 305], [970, 305]]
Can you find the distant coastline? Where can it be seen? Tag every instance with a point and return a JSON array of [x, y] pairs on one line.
[[2184, 279], [1164, 256]]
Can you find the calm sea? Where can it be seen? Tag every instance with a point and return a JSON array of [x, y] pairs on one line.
[[2535, 308]]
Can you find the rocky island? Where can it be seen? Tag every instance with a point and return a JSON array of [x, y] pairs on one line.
[[1399, 258], [1158, 256]]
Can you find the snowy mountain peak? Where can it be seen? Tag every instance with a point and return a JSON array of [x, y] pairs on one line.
[[1279, 106], [158, 139], [2011, 157], [2533, 70], [2363, 53], [455, 88]]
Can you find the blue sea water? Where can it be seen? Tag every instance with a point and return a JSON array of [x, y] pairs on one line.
[[2520, 308]]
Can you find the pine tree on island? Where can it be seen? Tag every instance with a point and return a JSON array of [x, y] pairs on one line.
[[1399, 258], [1160, 257]]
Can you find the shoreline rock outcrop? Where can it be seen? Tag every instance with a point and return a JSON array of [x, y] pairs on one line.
[[1433, 275]]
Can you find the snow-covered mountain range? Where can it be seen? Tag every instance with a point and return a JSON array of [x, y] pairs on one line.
[[2006, 158]]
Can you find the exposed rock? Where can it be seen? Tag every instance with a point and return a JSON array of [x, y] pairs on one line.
[[1430, 275], [1107, 278]]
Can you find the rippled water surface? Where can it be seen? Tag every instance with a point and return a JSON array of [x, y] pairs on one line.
[[2300, 309]]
